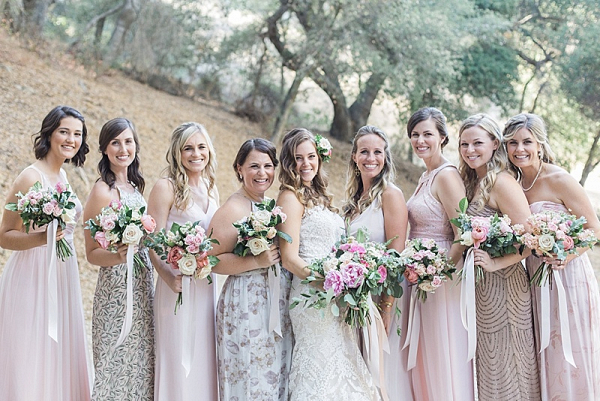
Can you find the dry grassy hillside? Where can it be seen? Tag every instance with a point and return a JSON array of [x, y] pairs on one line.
[[33, 82]]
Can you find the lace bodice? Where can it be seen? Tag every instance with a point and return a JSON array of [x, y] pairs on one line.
[[426, 215], [320, 229], [371, 219], [132, 199]]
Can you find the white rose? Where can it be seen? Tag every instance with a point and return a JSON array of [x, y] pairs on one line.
[[135, 215], [546, 242], [324, 143], [426, 286], [204, 272], [187, 264], [272, 233], [330, 264], [111, 237], [258, 245], [346, 257], [132, 234], [69, 215], [466, 238], [262, 216]]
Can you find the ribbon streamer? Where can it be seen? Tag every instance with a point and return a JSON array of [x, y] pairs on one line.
[[562, 315], [467, 303], [52, 280], [413, 330], [189, 326], [126, 328], [375, 343], [274, 273]]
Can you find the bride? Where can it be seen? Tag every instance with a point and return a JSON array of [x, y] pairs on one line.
[[326, 362]]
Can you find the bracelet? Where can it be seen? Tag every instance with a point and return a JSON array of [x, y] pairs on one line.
[[386, 304]]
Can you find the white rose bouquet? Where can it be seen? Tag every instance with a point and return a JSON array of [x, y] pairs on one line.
[[554, 234], [118, 223], [39, 207], [257, 231], [185, 247]]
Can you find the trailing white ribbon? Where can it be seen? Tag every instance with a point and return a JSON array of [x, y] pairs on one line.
[[189, 326], [413, 330], [126, 328], [467, 303], [375, 343], [562, 315], [52, 280], [275, 292]]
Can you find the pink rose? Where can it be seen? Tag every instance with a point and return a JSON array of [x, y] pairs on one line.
[[202, 260], [568, 243], [174, 255], [436, 282], [192, 248], [479, 234], [60, 187], [115, 204], [411, 276], [107, 222], [100, 238], [334, 280], [48, 208], [383, 273], [148, 223]]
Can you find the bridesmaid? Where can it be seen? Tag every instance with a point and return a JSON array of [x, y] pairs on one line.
[[442, 371], [125, 371], [34, 366], [549, 187], [505, 359], [187, 194], [375, 203], [253, 361]]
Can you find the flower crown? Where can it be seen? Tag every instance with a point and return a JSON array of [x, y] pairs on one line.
[[324, 147]]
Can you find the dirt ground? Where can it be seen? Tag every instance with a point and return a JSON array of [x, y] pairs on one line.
[[34, 80]]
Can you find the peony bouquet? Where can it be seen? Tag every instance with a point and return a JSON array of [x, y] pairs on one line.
[[493, 234], [185, 247], [257, 231], [427, 266], [39, 207], [118, 223], [555, 234], [353, 270]]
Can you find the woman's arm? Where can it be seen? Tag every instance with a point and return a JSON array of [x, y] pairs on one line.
[[12, 231], [100, 197], [221, 226], [290, 251]]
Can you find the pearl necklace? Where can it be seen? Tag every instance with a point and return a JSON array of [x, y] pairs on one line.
[[535, 179]]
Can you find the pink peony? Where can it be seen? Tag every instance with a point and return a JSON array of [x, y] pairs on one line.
[[202, 259], [353, 274], [411, 276], [479, 235], [174, 255], [101, 239], [568, 243], [60, 187], [148, 223], [333, 280], [383, 273]]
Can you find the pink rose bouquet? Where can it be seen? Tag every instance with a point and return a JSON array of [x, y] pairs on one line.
[[118, 223], [185, 247], [40, 206], [555, 234], [355, 268], [426, 265]]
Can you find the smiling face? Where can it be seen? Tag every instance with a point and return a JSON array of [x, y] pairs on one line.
[[426, 140], [65, 140], [121, 150], [195, 154], [307, 162], [370, 155], [523, 149], [477, 148], [257, 173]]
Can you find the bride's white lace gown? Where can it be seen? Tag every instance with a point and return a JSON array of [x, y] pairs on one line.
[[326, 362]]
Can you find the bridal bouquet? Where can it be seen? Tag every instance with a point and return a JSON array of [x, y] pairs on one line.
[[555, 234], [257, 231], [119, 223], [353, 270], [427, 266], [493, 234], [185, 247], [40, 206]]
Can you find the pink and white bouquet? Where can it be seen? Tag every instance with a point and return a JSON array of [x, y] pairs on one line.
[[353, 270], [427, 266], [40, 206], [554, 234], [118, 223], [493, 234], [324, 148], [257, 231], [185, 247]]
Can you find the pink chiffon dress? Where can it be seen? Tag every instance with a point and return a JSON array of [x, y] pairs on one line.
[[32, 365], [398, 383], [441, 371], [560, 381], [171, 382]]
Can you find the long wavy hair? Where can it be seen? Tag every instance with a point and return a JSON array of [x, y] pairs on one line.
[[534, 124], [312, 196], [175, 170], [355, 203], [497, 163], [427, 113], [41, 140], [110, 130]]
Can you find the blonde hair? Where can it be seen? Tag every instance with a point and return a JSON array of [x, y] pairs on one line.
[[354, 185], [176, 172], [308, 196], [534, 124], [497, 163]]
